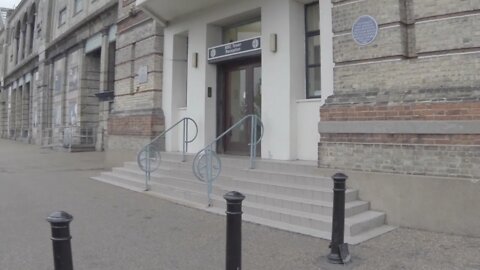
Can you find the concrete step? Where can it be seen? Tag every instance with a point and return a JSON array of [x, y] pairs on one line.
[[292, 166], [173, 193], [286, 195], [319, 200], [179, 169], [354, 225], [312, 214]]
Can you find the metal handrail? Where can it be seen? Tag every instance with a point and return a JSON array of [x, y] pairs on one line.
[[150, 153], [206, 163]]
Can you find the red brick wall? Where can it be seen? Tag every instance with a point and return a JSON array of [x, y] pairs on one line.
[[453, 155], [440, 139], [431, 111]]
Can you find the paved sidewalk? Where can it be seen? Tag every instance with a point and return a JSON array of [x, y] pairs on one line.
[[116, 229]]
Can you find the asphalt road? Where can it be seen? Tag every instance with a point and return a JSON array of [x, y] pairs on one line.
[[116, 229]]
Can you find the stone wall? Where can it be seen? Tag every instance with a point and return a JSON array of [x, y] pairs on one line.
[[423, 67], [136, 116]]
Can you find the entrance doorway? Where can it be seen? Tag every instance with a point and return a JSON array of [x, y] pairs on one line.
[[242, 96]]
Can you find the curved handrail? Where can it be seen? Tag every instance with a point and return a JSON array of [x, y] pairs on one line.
[[173, 126], [206, 164], [150, 153]]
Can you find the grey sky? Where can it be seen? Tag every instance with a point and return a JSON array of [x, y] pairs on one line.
[[9, 3]]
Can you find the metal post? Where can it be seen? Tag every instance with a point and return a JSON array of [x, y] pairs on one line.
[[147, 169], [62, 250], [339, 250], [185, 134], [71, 138], [234, 230], [253, 136], [209, 174]]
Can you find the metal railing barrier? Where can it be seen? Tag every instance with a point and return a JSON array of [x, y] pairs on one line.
[[207, 165], [76, 135], [68, 136], [148, 159]]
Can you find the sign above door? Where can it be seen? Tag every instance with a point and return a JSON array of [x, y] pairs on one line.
[[235, 50]]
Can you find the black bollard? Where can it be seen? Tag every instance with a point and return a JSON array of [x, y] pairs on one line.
[[338, 249], [234, 230], [62, 250]]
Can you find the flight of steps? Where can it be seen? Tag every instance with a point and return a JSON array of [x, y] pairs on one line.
[[285, 195]]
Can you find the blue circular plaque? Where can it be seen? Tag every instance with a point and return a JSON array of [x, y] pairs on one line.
[[365, 30]]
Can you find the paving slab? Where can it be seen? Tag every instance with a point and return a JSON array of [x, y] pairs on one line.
[[116, 229]]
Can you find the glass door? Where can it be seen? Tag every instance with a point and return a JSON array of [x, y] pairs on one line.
[[243, 96]]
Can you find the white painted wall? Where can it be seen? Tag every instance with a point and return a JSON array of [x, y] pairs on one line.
[[307, 120], [282, 77], [290, 122], [308, 110], [326, 46]]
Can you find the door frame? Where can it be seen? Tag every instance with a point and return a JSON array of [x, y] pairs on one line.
[[222, 83]]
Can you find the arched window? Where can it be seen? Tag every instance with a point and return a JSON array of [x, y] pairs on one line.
[[17, 41], [23, 47], [33, 14]]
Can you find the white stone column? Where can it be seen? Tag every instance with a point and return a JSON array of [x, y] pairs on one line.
[[326, 45], [282, 77]]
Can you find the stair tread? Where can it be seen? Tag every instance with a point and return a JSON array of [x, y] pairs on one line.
[[267, 194], [152, 183], [269, 206], [261, 170], [259, 181], [358, 218], [349, 220]]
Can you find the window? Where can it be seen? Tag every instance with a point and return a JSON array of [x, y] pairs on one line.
[[78, 6], [62, 16], [242, 31], [312, 49]]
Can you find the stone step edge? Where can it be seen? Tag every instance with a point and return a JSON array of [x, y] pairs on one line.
[[349, 221], [189, 164], [313, 178], [319, 189], [152, 193], [265, 194], [262, 221], [319, 217], [352, 240]]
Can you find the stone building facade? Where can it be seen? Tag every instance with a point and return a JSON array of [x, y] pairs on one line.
[[414, 91], [4, 13], [137, 115], [400, 114], [404, 116], [61, 70]]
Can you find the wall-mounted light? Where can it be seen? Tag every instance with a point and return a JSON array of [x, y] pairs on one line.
[[195, 60], [273, 42]]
